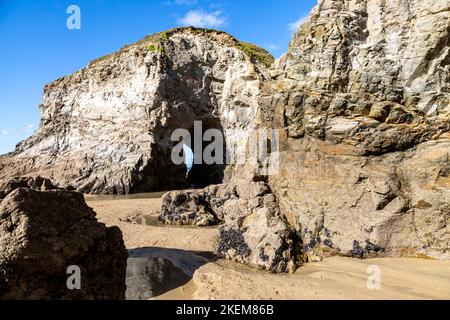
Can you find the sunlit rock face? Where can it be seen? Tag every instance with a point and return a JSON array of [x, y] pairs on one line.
[[107, 127], [377, 50], [363, 98], [361, 105]]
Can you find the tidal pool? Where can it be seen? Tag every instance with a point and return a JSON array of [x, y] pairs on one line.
[[153, 221], [135, 196], [150, 277]]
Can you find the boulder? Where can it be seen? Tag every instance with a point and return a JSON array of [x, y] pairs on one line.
[[253, 231], [36, 183], [43, 234], [201, 207]]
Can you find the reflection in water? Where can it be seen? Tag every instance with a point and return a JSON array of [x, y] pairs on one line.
[[153, 221], [148, 220], [151, 277]]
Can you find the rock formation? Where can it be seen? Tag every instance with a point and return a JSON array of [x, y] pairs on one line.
[[43, 233], [363, 98], [360, 103], [107, 128], [38, 183], [254, 231]]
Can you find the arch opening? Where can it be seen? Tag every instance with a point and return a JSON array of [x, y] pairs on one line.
[[203, 171]]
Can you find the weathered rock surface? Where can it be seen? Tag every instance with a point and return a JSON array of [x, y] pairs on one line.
[[38, 183], [42, 233], [363, 99], [361, 102], [357, 73], [107, 128], [192, 207], [254, 231]]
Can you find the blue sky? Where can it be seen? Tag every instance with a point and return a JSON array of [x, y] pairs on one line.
[[37, 47]]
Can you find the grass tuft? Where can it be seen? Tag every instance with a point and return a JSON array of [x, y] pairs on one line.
[[256, 54]]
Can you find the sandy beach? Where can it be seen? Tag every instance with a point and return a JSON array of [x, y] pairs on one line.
[[191, 250]]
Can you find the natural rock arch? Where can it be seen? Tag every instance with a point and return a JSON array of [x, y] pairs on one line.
[[107, 127]]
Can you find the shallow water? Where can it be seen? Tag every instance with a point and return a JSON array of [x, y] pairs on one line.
[[150, 277], [149, 220], [136, 196], [153, 221]]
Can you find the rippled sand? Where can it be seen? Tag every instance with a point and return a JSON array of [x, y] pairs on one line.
[[190, 249]]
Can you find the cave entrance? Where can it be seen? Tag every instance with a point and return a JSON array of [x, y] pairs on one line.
[[208, 154], [161, 173]]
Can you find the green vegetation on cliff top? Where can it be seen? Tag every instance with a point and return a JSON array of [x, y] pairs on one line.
[[155, 44]]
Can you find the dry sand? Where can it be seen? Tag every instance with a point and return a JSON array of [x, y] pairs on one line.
[[191, 249]]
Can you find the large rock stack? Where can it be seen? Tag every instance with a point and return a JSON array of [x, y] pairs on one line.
[[363, 99], [107, 128], [360, 103]]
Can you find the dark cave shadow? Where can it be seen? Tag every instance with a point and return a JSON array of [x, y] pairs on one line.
[[202, 175], [153, 271]]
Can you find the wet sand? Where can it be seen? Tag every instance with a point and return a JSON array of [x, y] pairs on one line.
[[112, 212], [190, 250]]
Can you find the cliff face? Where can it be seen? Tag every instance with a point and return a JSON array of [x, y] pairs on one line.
[[361, 102], [363, 97], [107, 127], [386, 61]]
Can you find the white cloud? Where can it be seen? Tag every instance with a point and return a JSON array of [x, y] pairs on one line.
[[6, 132], [29, 127], [203, 19], [293, 26]]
